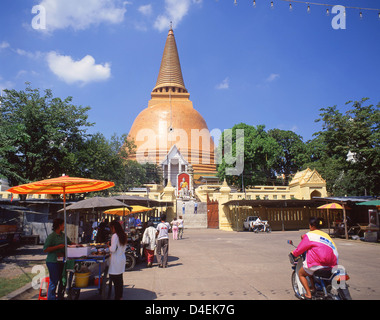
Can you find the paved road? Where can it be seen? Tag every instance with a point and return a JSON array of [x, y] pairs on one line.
[[218, 265]]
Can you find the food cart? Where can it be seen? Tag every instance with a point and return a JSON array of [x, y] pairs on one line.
[[87, 268]]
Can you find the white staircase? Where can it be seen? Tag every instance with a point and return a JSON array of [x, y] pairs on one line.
[[193, 220]]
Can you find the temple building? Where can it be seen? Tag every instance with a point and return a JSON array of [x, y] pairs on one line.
[[170, 132]]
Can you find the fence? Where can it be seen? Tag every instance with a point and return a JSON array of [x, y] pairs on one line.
[[279, 218]]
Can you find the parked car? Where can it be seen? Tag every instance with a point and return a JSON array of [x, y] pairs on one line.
[[247, 222]]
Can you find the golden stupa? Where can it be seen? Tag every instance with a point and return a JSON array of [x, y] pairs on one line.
[[171, 121]]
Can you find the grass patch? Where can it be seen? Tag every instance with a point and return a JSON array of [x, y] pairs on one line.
[[9, 285]]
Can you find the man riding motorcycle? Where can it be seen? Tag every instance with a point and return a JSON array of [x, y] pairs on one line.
[[321, 253], [257, 224]]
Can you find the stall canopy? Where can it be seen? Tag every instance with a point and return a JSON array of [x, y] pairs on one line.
[[125, 211], [143, 201], [94, 203], [373, 203]]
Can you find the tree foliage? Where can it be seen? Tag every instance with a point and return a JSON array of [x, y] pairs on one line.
[[346, 151], [293, 153], [261, 152], [356, 133], [37, 133], [43, 137]]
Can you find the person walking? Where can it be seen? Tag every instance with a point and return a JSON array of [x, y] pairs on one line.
[[175, 228], [163, 242], [103, 233], [149, 243], [195, 207], [55, 248], [180, 227], [117, 260]]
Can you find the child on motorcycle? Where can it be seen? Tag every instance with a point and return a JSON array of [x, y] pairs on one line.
[[321, 253]]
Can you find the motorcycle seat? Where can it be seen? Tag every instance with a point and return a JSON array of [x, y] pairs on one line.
[[324, 273]]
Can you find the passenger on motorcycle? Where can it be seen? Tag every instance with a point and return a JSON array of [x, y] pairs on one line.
[[321, 253]]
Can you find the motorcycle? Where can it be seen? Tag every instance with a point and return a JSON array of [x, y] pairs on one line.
[[131, 257], [330, 284], [262, 227]]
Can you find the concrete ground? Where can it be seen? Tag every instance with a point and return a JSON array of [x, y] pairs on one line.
[[210, 264]]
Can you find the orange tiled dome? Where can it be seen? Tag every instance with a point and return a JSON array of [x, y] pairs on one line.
[[171, 119]]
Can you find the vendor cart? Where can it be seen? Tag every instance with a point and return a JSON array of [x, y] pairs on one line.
[[73, 288]]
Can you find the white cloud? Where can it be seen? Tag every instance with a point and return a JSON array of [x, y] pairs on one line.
[[31, 55], [225, 84], [4, 84], [82, 14], [4, 45], [146, 10], [272, 77], [83, 71], [294, 128], [175, 11]]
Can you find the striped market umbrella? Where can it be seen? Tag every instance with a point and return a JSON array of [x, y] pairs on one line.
[[330, 206], [62, 185]]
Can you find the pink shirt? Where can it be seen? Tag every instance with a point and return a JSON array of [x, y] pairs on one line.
[[321, 250]]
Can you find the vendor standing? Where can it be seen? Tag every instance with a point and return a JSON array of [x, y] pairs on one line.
[[55, 248]]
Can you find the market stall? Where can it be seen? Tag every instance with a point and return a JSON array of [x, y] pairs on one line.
[[87, 268]]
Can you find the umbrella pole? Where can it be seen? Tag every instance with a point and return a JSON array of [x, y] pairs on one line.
[[345, 221], [64, 218], [328, 219]]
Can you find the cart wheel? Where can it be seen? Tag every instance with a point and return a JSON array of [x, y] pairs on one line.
[[73, 294]]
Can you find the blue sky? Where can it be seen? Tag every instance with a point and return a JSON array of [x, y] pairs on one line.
[[240, 64]]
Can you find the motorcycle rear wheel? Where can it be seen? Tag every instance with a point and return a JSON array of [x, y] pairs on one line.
[[344, 294], [130, 262]]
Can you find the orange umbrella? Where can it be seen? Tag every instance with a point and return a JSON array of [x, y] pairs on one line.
[[120, 211], [62, 185]]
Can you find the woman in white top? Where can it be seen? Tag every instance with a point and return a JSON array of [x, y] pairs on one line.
[[117, 260], [175, 228], [180, 227]]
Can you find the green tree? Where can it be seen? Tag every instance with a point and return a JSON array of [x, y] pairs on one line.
[[354, 132], [261, 152], [100, 158], [38, 134], [293, 155]]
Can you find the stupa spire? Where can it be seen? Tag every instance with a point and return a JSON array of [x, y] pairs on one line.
[[170, 74]]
